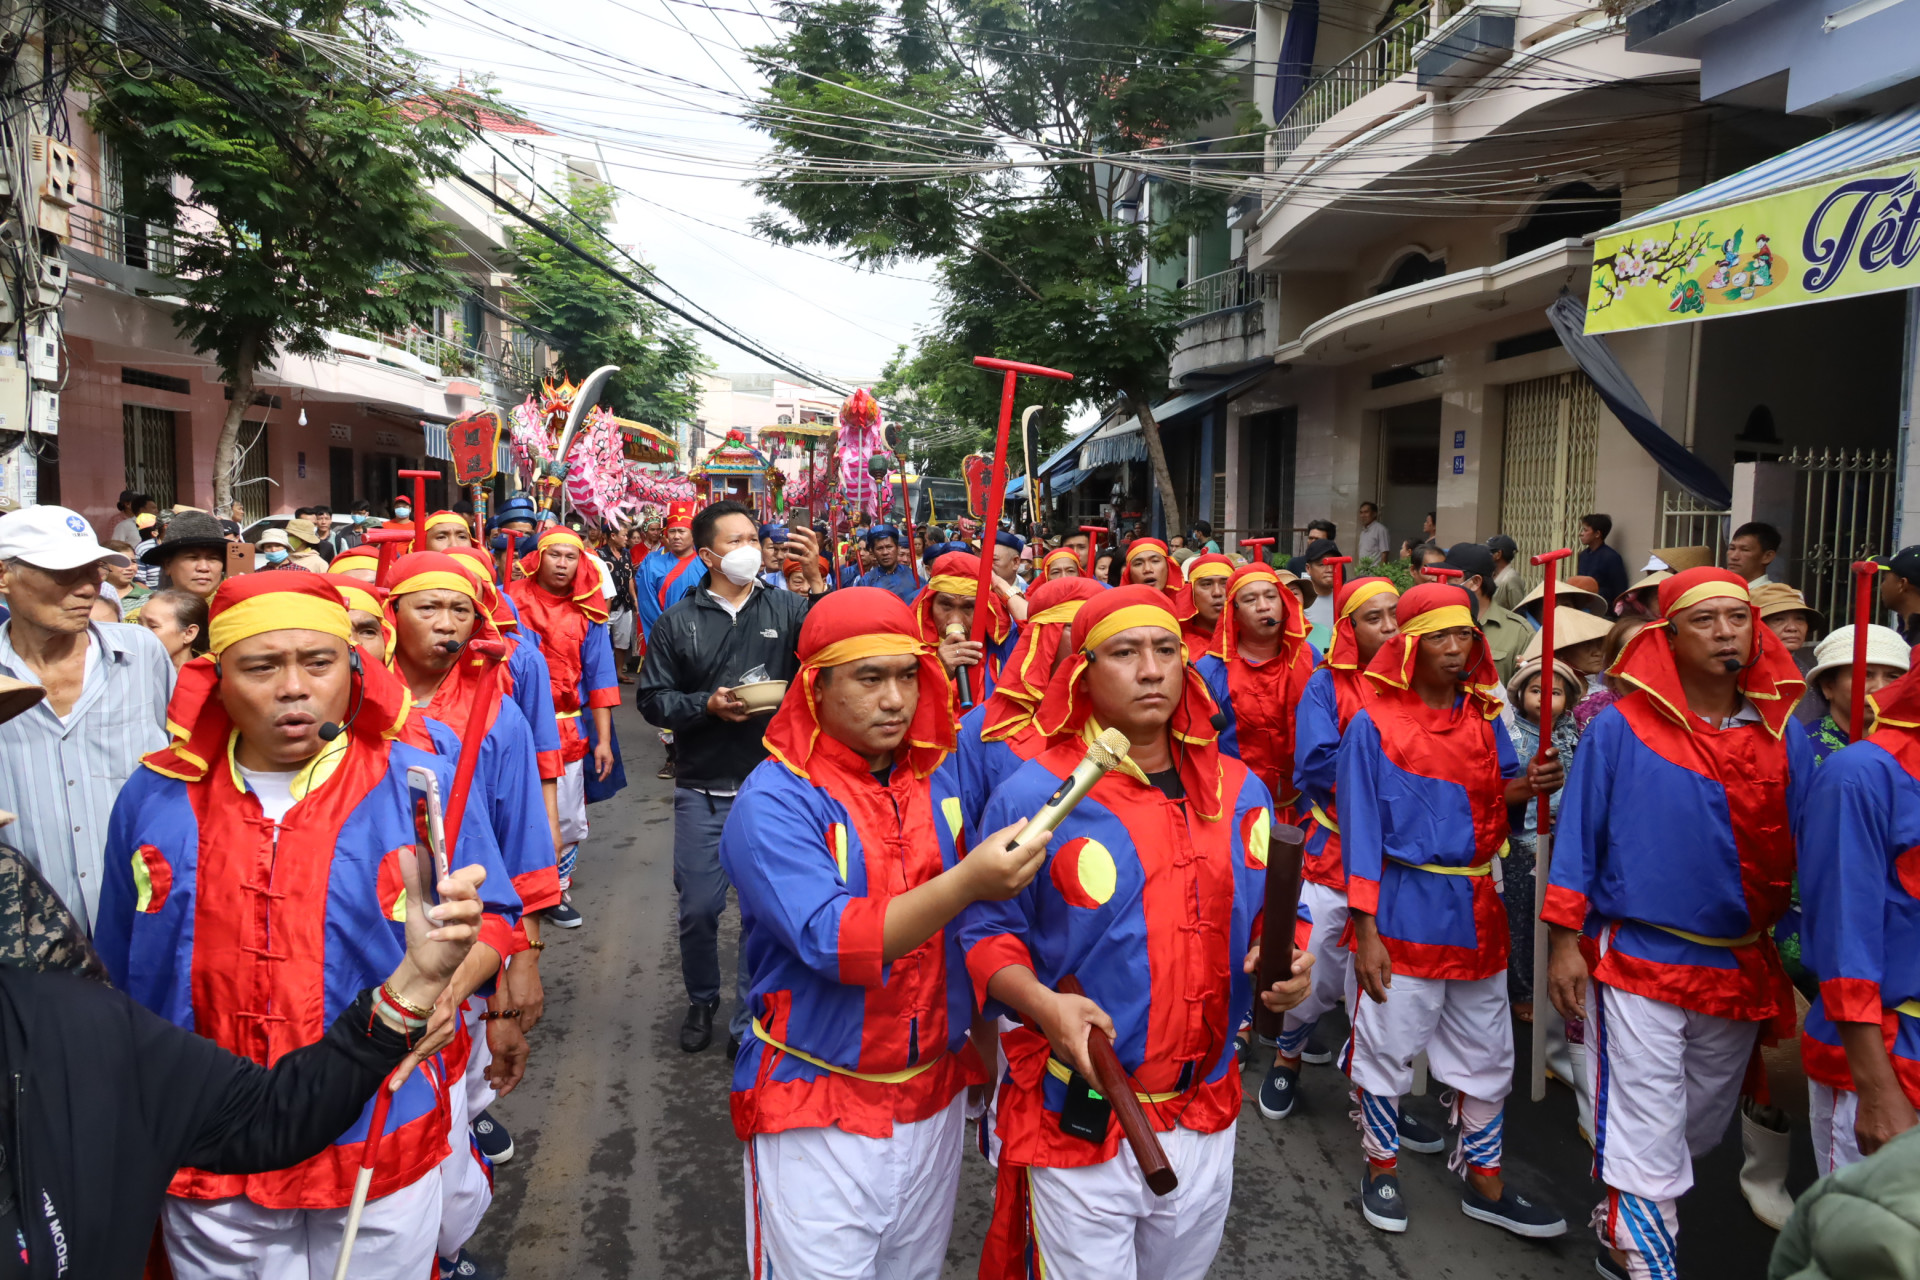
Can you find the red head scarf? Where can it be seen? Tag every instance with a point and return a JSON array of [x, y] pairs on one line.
[[364, 556], [1051, 607], [1427, 608], [474, 674], [584, 594], [851, 624], [1067, 709], [1175, 580], [1061, 555], [251, 605], [1293, 622], [1344, 655], [957, 573], [1199, 635], [1770, 680], [479, 564]]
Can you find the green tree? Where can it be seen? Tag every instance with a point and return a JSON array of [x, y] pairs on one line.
[[972, 132], [599, 321], [300, 163]]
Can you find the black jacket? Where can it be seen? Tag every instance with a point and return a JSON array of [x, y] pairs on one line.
[[697, 647], [102, 1101]]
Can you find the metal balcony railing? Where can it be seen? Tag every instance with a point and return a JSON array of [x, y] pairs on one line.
[[1225, 290], [1383, 58], [113, 235], [507, 364]]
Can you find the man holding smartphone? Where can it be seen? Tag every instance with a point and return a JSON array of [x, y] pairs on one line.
[[254, 888]]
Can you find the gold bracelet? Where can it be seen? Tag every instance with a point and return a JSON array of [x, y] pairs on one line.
[[406, 1007], [536, 946]]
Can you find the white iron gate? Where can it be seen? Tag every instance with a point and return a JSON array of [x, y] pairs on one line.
[[1844, 513], [1547, 472]]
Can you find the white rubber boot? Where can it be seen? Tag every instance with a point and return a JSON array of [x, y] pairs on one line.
[[1763, 1177]]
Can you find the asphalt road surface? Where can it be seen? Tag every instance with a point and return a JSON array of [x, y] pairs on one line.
[[626, 1164]]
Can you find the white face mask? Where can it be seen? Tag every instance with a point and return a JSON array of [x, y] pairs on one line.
[[741, 565]]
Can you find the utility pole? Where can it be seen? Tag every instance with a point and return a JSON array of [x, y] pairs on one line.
[[38, 193]]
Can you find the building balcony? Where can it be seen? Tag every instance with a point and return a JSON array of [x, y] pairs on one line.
[[1380, 61], [1226, 324]]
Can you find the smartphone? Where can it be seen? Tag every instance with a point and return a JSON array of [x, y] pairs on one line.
[[429, 833], [239, 558], [1086, 1113]]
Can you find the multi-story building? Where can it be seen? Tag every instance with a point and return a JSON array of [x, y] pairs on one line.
[[1369, 324], [142, 409]]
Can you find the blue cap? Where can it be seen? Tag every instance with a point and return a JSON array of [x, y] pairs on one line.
[[776, 531], [518, 507], [880, 531], [1014, 540]]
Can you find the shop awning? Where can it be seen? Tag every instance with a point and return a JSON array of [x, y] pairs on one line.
[[1832, 218]]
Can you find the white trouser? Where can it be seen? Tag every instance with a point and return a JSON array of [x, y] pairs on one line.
[[823, 1202], [1834, 1111], [466, 1184], [1464, 1028], [620, 629], [236, 1239], [1102, 1222], [1332, 965], [572, 801], [1665, 1082]]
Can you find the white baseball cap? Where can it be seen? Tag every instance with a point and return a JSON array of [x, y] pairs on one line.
[[53, 538]]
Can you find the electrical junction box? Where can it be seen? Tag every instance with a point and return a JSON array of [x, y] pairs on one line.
[[6, 318], [53, 164], [43, 350], [46, 413], [13, 397], [51, 285]]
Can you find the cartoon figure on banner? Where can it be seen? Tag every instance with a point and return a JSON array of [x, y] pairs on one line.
[[861, 435]]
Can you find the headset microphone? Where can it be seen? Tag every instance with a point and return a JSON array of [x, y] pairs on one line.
[[451, 646]]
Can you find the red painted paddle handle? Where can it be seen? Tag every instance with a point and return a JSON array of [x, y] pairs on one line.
[[419, 479], [1014, 366], [1864, 573], [1543, 818], [1339, 564], [1094, 533]]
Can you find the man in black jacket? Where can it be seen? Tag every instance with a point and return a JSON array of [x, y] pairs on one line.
[[701, 647]]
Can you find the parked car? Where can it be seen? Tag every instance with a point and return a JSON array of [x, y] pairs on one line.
[[252, 532]]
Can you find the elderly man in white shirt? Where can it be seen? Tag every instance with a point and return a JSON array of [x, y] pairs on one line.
[[1375, 541], [63, 762]]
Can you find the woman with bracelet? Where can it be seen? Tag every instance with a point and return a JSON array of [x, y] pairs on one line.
[[104, 1100]]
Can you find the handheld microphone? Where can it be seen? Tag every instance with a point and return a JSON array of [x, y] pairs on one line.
[[957, 632], [1103, 753]]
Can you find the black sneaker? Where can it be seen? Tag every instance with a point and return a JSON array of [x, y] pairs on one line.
[[1417, 1135], [1607, 1267], [1380, 1201], [462, 1268], [1315, 1052], [495, 1143], [1516, 1213], [561, 914], [1279, 1091]]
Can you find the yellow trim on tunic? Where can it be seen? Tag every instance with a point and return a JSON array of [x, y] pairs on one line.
[[883, 1077], [1478, 869], [307, 779], [1062, 1072], [1703, 939]]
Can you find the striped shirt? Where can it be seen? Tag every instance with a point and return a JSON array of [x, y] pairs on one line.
[[61, 779]]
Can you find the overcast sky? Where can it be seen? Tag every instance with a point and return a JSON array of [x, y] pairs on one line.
[[650, 82]]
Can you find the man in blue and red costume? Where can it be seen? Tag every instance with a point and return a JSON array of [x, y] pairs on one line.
[[560, 601], [1202, 600], [669, 571], [948, 601], [850, 1091], [1672, 862], [1257, 669], [1425, 774], [1859, 837], [1333, 695], [997, 736], [451, 657], [254, 889], [1151, 898]]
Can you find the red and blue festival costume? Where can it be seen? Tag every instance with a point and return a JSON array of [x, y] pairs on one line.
[[1195, 634], [1259, 698], [529, 679], [957, 573], [257, 935]]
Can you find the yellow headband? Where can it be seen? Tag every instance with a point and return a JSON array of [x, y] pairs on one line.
[[880, 644], [1445, 618], [277, 611], [1363, 594], [1063, 612], [1263, 575], [953, 584], [1212, 569], [357, 599], [1709, 591], [436, 580], [1141, 550], [439, 518], [1125, 619], [561, 536]]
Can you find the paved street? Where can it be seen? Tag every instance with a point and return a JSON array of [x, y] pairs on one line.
[[627, 1165]]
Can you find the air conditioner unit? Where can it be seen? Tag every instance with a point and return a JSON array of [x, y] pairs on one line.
[[43, 350], [46, 413], [51, 284]]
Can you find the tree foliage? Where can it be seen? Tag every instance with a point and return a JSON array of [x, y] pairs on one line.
[[599, 321], [1001, 111], [297, 171]]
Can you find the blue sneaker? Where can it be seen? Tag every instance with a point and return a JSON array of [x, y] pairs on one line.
[[561, 914], [1316, 1053], [1380, 1201], [1279, 1091], [1516, 1213], [495, 1143], [462, 1268], [1417, 1135]]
